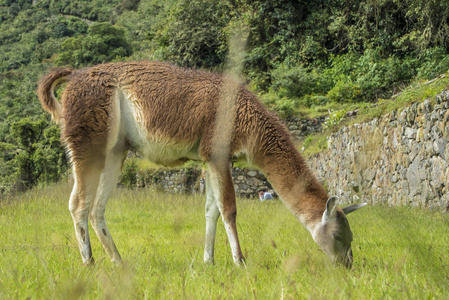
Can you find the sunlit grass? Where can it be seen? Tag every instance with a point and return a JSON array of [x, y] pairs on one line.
[[399, 252]]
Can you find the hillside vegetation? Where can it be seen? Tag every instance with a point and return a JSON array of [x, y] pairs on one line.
[[302, 56]]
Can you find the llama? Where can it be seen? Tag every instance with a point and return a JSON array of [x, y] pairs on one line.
[[170, 115]]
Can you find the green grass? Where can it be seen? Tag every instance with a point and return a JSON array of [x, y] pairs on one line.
[[399, 252]]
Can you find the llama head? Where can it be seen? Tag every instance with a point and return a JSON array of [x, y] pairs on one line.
[[333, 233]]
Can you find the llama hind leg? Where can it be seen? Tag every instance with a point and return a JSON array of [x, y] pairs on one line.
[[108, 182], [83, 193]]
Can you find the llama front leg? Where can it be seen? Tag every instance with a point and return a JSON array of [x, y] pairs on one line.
[[223, 190], [212, 214]]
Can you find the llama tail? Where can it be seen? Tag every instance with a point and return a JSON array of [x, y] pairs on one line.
[[46, 91]]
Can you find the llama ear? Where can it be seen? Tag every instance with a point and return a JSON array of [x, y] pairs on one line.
[[331, 204], [350, 208]]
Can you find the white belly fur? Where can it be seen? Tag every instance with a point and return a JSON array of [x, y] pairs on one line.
[[158, 149]]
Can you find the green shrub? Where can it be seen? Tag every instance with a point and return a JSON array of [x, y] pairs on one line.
[[322, 143], [285, 107], [334, 119], [313, 100], [434, 61], [307, 141], [368, 76], [129, 173], [345, 91], [293, 82]]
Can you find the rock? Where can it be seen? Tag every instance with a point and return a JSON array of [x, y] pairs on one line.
[[254, 182], [427, 105], [437, 173], [439, 147], [410, 133], [251, 173], [420, 135]]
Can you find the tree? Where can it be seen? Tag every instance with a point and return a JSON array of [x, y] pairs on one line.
[[103, 43], [193, 33], [35, 154]]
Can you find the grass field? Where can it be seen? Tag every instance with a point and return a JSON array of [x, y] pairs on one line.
[[399, 253]]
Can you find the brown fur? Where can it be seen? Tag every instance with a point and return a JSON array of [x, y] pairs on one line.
[[46, 89], [176, 107], [180, 105]]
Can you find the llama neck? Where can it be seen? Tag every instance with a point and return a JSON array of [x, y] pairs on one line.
[[290, 176]]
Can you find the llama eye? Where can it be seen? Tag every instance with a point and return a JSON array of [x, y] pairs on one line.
[[338, 238]]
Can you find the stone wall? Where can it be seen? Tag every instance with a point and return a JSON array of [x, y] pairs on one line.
[[248, 182], [300, 127], [399, 159], [191, 180], [186, 180]]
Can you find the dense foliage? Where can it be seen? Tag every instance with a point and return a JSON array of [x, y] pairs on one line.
[[299, 53]]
